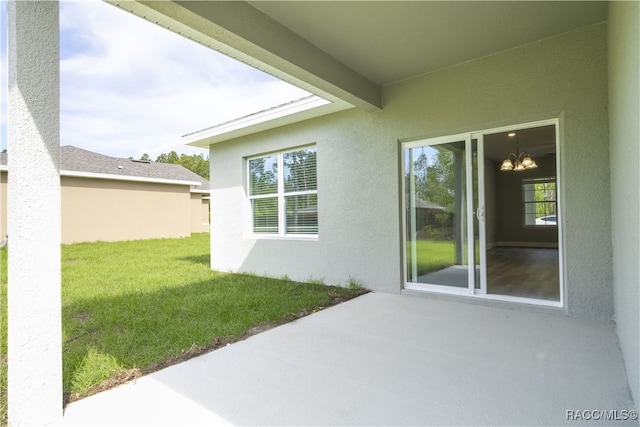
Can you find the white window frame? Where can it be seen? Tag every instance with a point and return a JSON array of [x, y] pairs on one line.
[[542, 179], [281, 195]]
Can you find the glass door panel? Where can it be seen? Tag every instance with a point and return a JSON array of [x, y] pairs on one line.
[[436, 214], [522, 256], [478, 211]]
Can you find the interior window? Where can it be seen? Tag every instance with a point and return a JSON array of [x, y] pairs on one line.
[[539, 198]]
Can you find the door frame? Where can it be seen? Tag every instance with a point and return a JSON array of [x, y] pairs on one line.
[[468, 225], [481, 292]]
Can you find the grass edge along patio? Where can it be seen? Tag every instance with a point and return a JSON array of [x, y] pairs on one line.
[[133, 307]]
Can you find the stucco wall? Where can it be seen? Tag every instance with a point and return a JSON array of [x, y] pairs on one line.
[[624, 106], [3, 204], [34, 327], [109, 210], [358, 167], [199, 213]]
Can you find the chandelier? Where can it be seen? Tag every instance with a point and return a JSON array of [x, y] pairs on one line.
[[517, 161]]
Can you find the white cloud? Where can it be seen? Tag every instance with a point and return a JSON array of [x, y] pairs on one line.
[[130, 87]]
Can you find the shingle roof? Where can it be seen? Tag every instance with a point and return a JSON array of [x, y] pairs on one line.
[[78, 160], [420, 203]]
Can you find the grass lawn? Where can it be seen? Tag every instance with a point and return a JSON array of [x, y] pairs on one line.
[[3, 337], [129, 308], [433, 255]]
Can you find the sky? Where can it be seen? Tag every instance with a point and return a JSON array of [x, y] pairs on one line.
[[129, 87]]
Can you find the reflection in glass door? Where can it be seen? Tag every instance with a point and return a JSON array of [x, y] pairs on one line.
[[437, 249]]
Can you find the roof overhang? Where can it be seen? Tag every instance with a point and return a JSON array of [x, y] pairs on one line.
[[345, 52], [292, 112], [239, 30], [196, 191], [92, 175], [105, 176]]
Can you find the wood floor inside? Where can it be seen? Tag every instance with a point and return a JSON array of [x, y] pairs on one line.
[[518, 272], [524, 272]]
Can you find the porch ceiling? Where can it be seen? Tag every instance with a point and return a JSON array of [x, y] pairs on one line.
[[388, 41], [346, 50]]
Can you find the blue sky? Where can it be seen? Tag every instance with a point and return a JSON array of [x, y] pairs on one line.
[[129, 87]]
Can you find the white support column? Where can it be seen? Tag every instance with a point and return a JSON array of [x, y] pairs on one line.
[[33, 215]]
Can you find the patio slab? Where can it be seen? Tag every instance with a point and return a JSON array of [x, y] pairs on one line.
[[385, 359]]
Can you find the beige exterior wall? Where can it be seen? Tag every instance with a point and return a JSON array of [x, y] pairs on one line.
[[3, 204], [109, 210], [199, 213]]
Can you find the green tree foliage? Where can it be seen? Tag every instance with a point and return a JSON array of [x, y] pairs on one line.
[[264, 178], [544, 197], [435, 178], [171, 157], [196, 163], [435, 181], [300, 174], [300, 170]]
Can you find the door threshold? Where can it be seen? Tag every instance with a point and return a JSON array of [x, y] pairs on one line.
[[490, 300]]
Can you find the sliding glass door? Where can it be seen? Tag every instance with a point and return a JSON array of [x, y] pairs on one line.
[[472, 228], [438, 204]]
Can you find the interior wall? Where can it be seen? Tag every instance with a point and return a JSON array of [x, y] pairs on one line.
[[624, 119], [510, 230], [490, 202], [359, 171]]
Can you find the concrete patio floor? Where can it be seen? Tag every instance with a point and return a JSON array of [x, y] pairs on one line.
[[387, 360]]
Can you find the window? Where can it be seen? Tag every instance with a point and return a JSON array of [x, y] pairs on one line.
[[539, 197], [283, 190]]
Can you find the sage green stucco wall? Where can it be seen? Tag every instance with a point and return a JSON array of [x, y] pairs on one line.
[[624, 105], [358, 167]]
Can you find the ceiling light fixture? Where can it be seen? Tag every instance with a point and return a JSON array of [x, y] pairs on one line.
[[517, 161]]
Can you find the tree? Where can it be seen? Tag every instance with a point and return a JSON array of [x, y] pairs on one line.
[[172, 157], [145, 158], [196, 163], [435, 178], [300, 170], [263, 180]]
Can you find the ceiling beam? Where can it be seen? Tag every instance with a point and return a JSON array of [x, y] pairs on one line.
[[237, 29]]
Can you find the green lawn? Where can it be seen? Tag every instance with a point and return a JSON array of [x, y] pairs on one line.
[[433, 255], [141, 304], [3, 337]]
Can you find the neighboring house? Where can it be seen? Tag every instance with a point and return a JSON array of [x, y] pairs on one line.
[[108, 198]]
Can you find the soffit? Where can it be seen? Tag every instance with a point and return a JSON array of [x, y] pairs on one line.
[[388, 41]]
